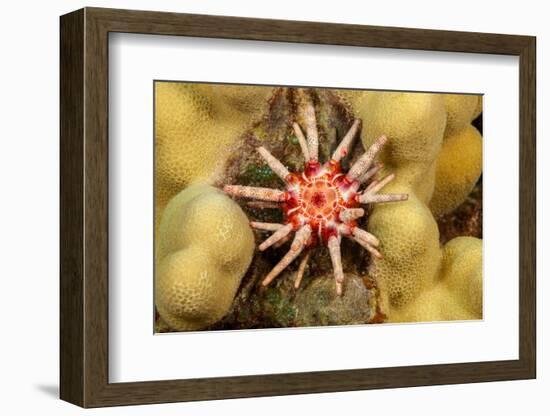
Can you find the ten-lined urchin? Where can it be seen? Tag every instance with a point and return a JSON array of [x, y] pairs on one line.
[[321, 203]]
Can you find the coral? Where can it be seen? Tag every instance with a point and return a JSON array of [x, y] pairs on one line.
[[462, 273], [460, 160], [410, 243], [457, 294], [414, 123], [205, 247], [458, 170], [195, 127], [321, 203], [425, 133]]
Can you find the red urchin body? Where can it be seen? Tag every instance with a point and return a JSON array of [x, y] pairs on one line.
[[322, 203], [318, 197]]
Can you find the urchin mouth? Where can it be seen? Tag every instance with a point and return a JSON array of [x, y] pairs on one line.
[[319, 199]]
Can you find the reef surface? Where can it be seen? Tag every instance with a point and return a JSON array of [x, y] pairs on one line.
[[431, 270]]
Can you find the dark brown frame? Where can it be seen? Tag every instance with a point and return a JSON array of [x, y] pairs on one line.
[[84, 207]]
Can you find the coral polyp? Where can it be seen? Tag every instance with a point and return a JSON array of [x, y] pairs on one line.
[[322, 203]]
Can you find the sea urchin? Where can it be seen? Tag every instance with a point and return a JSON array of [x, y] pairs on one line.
[[322, 203]]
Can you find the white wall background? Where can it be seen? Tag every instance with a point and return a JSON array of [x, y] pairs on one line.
[[29, 157]]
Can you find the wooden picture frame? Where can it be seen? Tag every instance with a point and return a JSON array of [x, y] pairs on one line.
[[84, 207]]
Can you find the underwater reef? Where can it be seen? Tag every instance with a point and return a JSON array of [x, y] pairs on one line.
[[208, 269]]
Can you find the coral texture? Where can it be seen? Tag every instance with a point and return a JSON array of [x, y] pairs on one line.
[[205, 247], [423, 153], [457, 293], [196, 126], [460, 159]]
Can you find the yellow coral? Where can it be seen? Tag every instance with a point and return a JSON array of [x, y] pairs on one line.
[[205, 247], [409, 241], [462, 272], [457, 295], [459, 163], [461, 110], [458, 169], [460, 160], [436, 156], [414, 124], [195, 126]]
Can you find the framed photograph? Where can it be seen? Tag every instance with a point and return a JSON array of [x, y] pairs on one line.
[[257, 207]]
